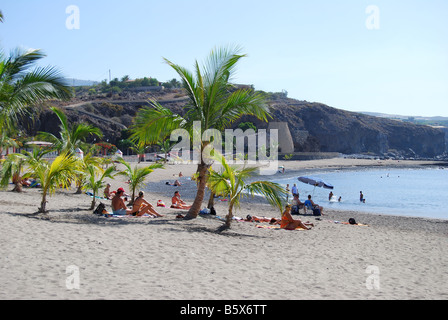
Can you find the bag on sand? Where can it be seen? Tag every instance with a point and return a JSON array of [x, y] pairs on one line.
[[213, 211], [99, 210], [316, 212], [295, 210]]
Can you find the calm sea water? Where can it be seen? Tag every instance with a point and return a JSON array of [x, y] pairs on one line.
[[406, 192]]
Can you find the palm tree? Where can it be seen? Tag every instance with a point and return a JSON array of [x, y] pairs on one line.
[[59, 173], [12, 170], [232, 182], [1, 16], [15, 163], [165, 146], [84, 163], [140, 150], [21, 87], [70, 138], [95, 180], [213, 101], [136, 175], [6, 142]]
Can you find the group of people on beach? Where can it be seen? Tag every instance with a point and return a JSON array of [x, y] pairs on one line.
[[296, 204], [140, 206]]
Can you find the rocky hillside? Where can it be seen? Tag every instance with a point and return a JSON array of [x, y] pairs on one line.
[[317, 127], [314, 127]]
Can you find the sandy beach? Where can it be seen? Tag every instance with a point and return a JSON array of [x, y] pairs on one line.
[[72, 254]]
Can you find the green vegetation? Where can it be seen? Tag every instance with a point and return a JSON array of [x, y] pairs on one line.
[[136, 176], [21, 88], [211, 103], [125, 83], [60, 172], [231, 182], [70, 138]]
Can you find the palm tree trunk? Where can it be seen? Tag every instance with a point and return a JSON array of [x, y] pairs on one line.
[[17, 187], [229, 215], [79, 188], [211, 200], [93, 201], [43, 204], [202, 183]]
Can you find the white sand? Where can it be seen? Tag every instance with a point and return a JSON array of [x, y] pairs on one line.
[[166, 258]]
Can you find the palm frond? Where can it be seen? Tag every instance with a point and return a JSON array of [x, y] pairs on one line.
[[154, 123], [187, 80], [21, 87], [273, 192], [39, 85]]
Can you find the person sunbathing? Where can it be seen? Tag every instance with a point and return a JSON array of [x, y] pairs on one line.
[[178, 203], [141, 207], [118, 206], [288, 223], [107, 193], [177, 183], [250, 218]]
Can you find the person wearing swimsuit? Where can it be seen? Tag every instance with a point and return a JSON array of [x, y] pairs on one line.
[[288, 223], [141, 207]]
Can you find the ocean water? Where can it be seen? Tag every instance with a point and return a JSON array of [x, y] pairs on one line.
[[404, 192]]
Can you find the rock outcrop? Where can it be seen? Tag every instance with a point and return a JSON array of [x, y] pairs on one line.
[[313, 127]]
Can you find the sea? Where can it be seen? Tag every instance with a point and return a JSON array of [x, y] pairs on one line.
[[402, 192]]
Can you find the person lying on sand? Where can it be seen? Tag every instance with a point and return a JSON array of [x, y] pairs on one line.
[[250, 218], [178, 203], [141, 207], [175, 184], [288, 223]]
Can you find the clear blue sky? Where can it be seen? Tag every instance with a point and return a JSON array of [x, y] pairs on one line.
[[320, 51]]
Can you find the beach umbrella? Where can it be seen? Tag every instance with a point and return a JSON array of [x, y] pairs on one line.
[[316, 182]]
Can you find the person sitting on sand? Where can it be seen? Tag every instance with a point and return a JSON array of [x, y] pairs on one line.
[[107, 193], [118, 206], [26, 182], [288, 223], [296, 202], [178, 203], [310, 204], [141, 207]]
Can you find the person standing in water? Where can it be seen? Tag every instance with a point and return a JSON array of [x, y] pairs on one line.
[[361, 197]]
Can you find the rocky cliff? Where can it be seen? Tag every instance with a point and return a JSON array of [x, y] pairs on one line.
[[317, 127], [314, 127]]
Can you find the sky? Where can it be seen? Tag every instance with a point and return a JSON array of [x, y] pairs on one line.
[[387, 56]]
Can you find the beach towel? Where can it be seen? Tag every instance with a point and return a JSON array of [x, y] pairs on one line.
[[111, 215], [277, 227], [90, 194]]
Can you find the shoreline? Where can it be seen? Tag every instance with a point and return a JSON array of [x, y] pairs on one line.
[[171, 259]]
